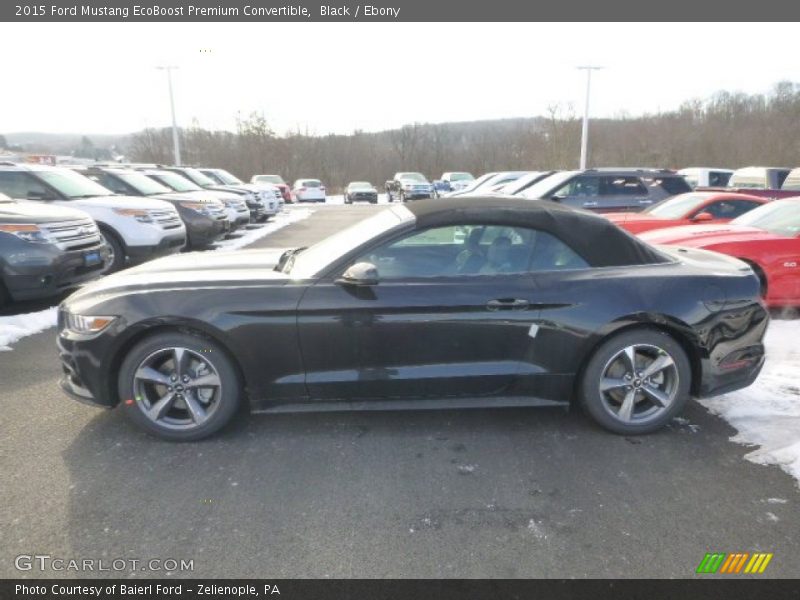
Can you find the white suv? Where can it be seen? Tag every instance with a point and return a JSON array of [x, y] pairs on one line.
[[136, 229]]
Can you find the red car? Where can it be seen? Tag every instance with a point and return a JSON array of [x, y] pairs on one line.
[[768, 238], [688, 209]]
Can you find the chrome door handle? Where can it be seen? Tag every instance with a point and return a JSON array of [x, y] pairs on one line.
[[507, 304]]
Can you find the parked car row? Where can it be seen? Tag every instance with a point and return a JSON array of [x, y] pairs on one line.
[[60, 226]]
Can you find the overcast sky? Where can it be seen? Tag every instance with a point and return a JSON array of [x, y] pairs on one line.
[[329, 77]]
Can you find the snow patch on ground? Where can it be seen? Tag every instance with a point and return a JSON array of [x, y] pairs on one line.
[[16, 327], [279, 221], [767, 414]]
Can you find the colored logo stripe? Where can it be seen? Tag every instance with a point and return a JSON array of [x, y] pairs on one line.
[[722, 562]]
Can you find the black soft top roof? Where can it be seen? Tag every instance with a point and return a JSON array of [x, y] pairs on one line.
[[595, 238]]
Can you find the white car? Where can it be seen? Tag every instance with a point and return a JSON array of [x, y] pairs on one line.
[[308, 190], [706, 177], [136, 229], [269, 196]]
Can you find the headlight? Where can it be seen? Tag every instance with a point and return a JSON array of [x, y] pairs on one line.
[[86, 325], [140, 215], [29, 233], [407, 186]]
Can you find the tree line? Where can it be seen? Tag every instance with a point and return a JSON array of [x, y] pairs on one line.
[[725, 130]]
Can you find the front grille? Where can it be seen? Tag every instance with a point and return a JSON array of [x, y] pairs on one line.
[[73, 235], [166, 219]]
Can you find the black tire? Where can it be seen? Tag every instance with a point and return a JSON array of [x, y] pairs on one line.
[[177, 424], [676, 381], [113, 241]]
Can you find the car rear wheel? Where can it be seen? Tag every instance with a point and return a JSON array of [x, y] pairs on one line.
[[636, 382], [179, 387]]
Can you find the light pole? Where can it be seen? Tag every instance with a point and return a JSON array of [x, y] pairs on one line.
[[585, 131], [176, 144]]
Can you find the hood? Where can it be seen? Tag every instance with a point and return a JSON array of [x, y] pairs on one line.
[[34, 212], [699, 236], [202, 197], [414, 182], [239, 190], [188, 270], [135, 202]]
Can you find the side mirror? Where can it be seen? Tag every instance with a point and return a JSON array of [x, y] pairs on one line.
[[702, 217], [557, 197], [361, 274]]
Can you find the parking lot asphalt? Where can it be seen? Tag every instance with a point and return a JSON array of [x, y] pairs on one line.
[[478, 493]]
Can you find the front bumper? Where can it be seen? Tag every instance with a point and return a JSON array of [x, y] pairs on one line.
[[81, 378], [170, 244], [42, 270]]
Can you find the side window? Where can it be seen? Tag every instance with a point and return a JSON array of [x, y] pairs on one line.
[[21, 186], [579, 186], [622, 186], [718, 179], [463, 250], [672, 185], [110, 182], [730, 209]]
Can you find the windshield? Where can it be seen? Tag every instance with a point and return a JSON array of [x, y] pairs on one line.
[[227, 178], [72, 184], [781, 217], [360, 185], [548, 185], [197, 177], [479, 182], [413, 177], [461, 177], [314, 259], [142, 183], [175, 181], [677, 206], [520, 184], [268, 179]]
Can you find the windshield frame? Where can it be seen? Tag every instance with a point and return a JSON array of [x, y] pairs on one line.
[[700, 198], [317, 261], [195, 176]]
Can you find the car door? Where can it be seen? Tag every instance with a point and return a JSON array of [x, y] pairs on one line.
[[447, 318], [622, 193]]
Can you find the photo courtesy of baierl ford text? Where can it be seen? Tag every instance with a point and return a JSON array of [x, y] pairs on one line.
[[453, 300]]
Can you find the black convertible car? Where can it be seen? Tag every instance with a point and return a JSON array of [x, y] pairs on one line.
[[449, 303]]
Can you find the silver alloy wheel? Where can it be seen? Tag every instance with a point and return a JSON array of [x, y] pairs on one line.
[[177, 388], [111, 254], [639, 383]]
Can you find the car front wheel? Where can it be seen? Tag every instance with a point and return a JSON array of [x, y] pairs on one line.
[[636, 382], [178, 386]]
